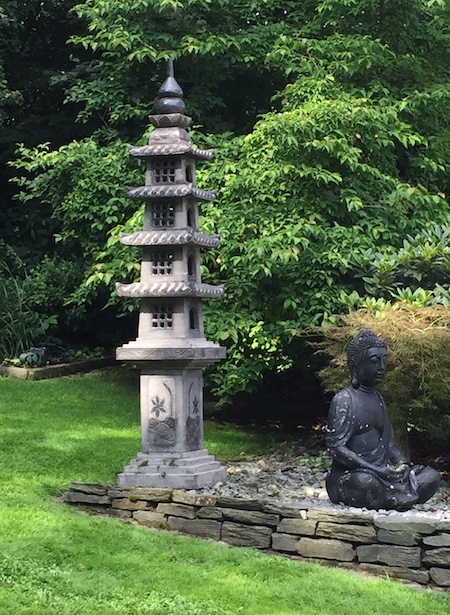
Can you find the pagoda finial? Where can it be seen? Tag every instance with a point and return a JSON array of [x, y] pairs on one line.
[[170, 94]]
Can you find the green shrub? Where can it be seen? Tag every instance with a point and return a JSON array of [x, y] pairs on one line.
[[20, 325]]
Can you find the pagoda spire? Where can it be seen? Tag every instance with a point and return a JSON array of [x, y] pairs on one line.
[[170, 94]]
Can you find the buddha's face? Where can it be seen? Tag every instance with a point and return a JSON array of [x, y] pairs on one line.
[[372, 367]]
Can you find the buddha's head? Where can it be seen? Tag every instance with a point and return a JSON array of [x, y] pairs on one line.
[[366, 359]]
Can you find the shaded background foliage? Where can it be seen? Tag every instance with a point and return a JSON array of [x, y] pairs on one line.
[[330, 121]]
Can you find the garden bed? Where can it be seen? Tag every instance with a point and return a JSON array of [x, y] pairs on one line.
[[55, 371]]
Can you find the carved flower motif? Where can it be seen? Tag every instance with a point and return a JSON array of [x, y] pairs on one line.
[[158, 406], [195, 403]]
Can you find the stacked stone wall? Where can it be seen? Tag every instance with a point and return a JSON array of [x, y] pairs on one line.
[[405, 546]]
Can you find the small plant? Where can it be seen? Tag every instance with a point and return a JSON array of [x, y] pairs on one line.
[[20, 326]]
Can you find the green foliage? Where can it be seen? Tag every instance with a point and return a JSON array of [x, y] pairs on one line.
[[21, 326], [417, 382], [351, 159], [417, 272]]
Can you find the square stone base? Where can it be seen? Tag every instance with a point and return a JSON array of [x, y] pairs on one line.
[[189, 470]]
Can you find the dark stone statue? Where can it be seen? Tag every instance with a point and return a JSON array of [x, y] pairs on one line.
[[369, 469]]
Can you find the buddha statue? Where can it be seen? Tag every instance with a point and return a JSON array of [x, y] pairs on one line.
[[369, 469]]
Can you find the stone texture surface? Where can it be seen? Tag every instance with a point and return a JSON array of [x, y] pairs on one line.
[[120, 514], [405, 523], [77, 497], [437, 557], [241, 535], [152, 494], [285, 542], [302, 527], [252, 517], [210, 512], [89, 488], [182, 497], [325, 548], [404, 539], [440, 540], [286, 511], [128, 504], [339, 516], [150, 518], [206, 528], [244, 504], [351, 533], [403, 557], [440, 576], [177, 510]]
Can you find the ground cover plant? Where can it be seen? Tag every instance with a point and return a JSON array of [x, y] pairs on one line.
[[58, 560]]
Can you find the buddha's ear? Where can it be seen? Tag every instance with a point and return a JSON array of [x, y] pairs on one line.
[[355, 382]]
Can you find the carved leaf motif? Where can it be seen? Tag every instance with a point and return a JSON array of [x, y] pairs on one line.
[[158, 406]]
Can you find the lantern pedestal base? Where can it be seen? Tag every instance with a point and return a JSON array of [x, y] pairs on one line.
[[190, 470]]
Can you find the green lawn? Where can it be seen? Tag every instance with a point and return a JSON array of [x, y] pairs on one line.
[[56, 560]]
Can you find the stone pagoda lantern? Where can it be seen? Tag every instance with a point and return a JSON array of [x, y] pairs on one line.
[[171, 349]]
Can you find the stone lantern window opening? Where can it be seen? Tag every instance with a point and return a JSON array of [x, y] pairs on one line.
[[162, 316], [191, 266], [193, 319], [163, 214], [189, 175], [190, 217], [164, 170], [162, 263]]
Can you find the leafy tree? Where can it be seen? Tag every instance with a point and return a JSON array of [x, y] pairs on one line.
[[351, 159]]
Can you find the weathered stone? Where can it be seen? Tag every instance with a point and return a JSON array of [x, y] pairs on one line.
[[206, 528], [120, 514], [240, 535], [406, 574], [405, 523], [438, 557], [338, 516], [176, 510], [403, 557], [150, 519], [325, 548], [303, 527], [127, 504], [351, 533], [210, 512], [440, 540], [206, 499], [285, 542], [405, 539], [90, 488], [284, 511], [182, 497], [152, 494], [252, 517], [440, 576], [116, 493], [244, 504], [78, 497]]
